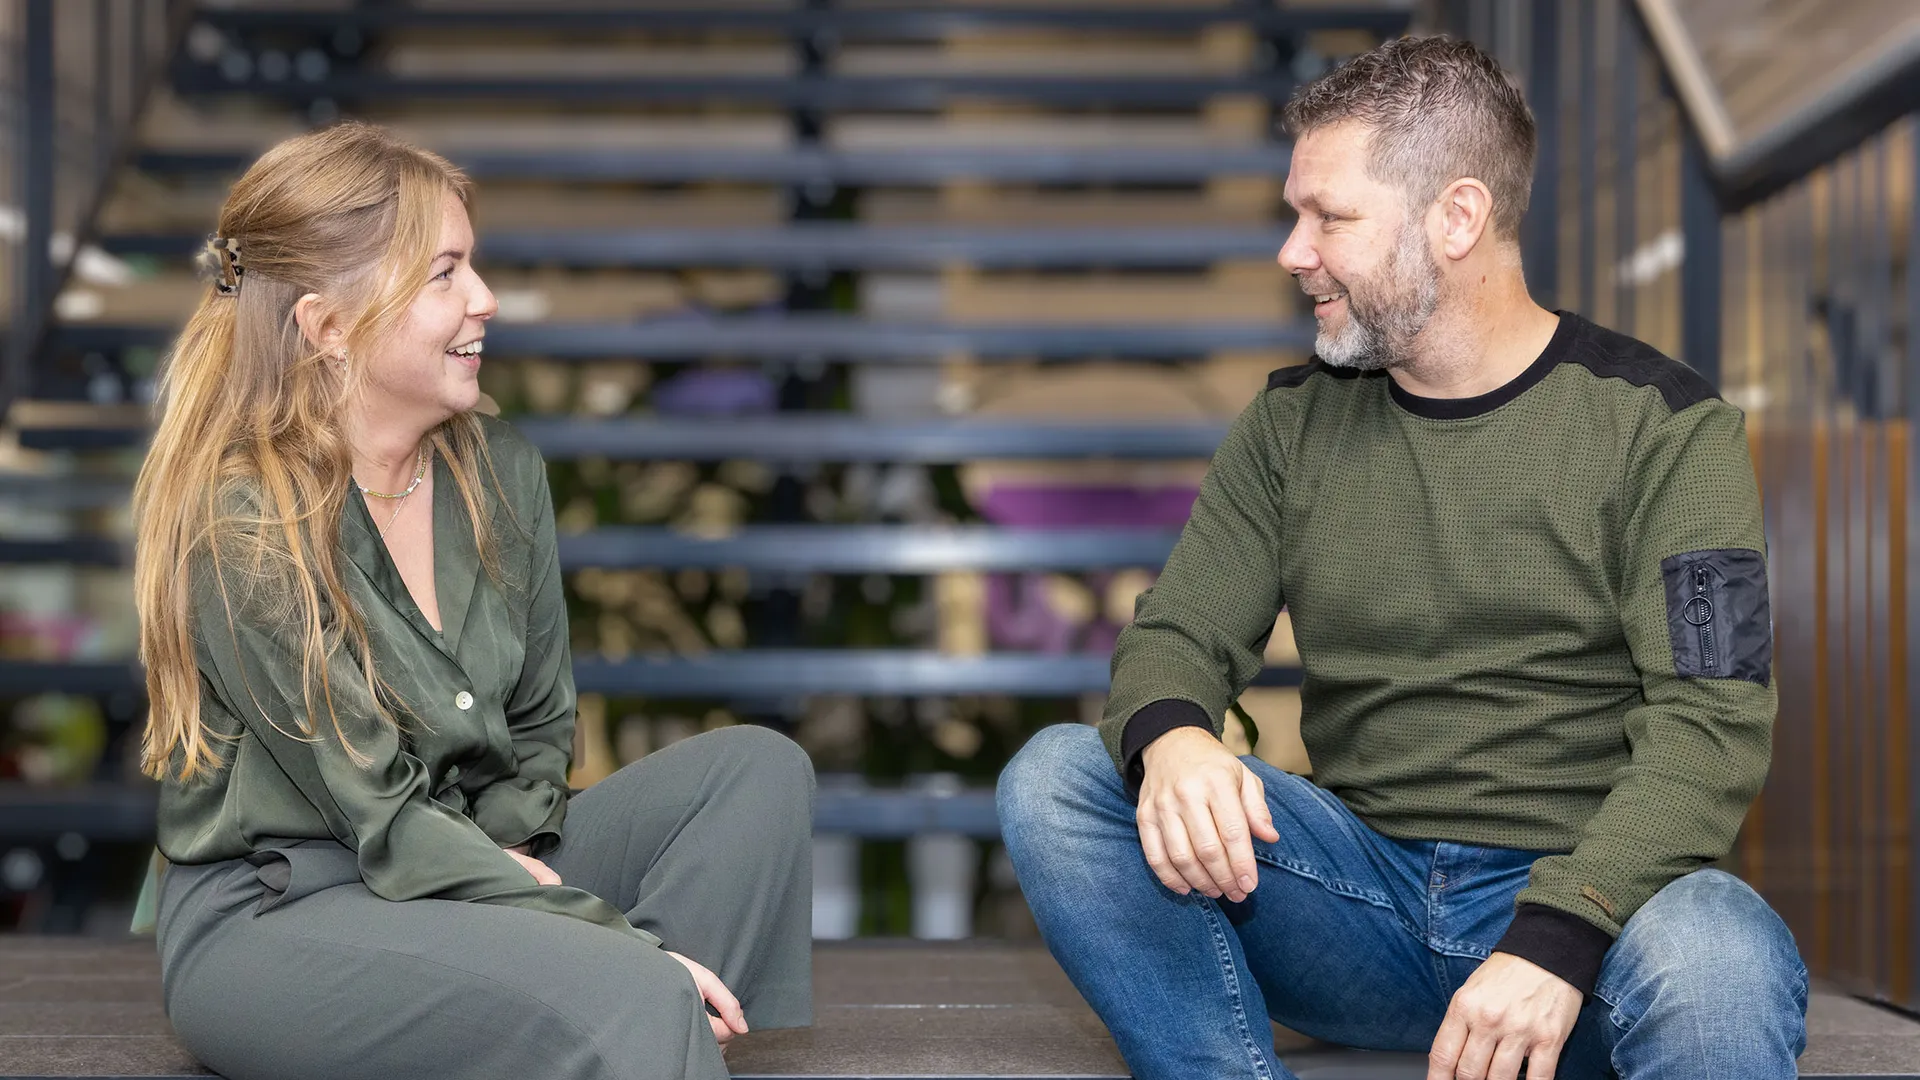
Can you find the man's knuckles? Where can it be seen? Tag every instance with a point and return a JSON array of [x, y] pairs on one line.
[[1192, 789]]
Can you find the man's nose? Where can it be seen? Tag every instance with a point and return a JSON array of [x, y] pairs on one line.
[[1297, 255]]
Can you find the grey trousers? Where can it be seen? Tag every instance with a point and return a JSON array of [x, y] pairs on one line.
[[705, 844]]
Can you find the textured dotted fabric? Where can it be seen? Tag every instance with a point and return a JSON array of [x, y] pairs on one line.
[[1476, 591]]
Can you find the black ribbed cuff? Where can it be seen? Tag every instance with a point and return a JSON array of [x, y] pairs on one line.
[[1567, 945], [1149, 723]]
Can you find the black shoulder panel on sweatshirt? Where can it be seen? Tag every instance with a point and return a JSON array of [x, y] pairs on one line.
[[1612, 355], [1297, 374]]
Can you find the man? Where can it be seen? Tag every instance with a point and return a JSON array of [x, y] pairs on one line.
[[1524, 562]]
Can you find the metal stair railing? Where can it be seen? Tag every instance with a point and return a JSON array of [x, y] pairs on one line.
[[59, 184]]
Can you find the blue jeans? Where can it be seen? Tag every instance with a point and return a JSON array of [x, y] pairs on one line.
[[1359, 939]]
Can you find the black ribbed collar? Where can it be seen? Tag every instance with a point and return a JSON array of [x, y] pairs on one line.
[[1558, 350]]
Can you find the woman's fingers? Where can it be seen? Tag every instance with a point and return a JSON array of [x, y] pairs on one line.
[[725, 1004], [542, 873], [731, 1021]]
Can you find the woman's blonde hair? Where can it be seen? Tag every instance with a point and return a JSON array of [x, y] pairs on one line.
[[250, 470]]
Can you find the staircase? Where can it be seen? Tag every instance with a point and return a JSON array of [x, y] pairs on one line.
[[815, 310]]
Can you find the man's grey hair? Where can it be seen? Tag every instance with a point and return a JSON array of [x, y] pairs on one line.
[[1438, 110]]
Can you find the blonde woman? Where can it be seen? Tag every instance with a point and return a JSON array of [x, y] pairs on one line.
[[362, 698]]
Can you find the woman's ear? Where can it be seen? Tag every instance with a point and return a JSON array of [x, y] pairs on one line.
[[317, 323]]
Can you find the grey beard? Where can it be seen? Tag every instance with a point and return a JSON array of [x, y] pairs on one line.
[[1377, 339]]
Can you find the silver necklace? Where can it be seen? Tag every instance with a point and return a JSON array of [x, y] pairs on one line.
[[395, 516]]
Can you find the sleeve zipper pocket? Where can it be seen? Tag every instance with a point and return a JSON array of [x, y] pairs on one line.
[[1699, 615], [1718, 619]]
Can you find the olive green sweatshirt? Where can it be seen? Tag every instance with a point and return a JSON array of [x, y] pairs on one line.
[[1534, 619]]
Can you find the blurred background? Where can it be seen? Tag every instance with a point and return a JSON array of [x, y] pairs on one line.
[[877, 351]]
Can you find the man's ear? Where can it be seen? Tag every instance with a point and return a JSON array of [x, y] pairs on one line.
[[317, 323], [1466, 216]]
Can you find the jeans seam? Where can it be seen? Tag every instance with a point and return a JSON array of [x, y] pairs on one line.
[[1464, 949], [1223, 951], [1341, 888], [1333, 885]]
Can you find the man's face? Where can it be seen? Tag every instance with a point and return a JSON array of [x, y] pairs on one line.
[[1357, 251]]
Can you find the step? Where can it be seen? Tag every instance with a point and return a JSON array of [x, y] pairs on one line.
[[816, 337], [803, 166], [800, 549], [895, 24], [867, 93], [74, 1008], [837, 246], [788, 438], [868, 549], [125, 813], [736, 674]]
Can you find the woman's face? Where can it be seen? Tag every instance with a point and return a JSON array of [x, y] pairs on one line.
[[427, 369]]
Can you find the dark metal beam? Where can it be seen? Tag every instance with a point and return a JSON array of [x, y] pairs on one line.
[[34, 273], [70, 551], [24, 678], [1863, 102], [828, 437], [820, 337], [870, 93], [759, 674], [861, 549], [1626, 163], [1587, 189], [99, 812], [807, 549], [1541, 230], [64, 492], [808, 165], [899, 24], [128, 813], [1700, 269], [823, 245], [851, 438], [773, 674]]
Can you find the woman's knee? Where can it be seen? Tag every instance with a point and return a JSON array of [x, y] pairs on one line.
[[765, 757]]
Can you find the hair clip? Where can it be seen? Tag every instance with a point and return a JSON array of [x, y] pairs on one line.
[[219, 263]]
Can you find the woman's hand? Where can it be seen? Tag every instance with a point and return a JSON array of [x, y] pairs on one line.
[[731, 1020], [542, 873]]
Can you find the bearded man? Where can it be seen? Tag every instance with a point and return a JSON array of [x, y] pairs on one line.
[[1524, 562]]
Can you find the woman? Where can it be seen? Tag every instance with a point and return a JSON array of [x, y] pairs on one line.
[[362, 696]]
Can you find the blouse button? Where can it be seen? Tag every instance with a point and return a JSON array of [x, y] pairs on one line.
[[463, 701]]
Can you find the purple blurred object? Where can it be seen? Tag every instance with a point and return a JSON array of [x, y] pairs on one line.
[[715, 392], [1018, 616], [1075, 505]]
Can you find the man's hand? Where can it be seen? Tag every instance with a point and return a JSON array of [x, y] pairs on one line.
[[1508, 1011], [1199, 808], [731, 1020], [542, 873]]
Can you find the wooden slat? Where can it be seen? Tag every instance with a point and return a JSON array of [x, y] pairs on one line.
[[1820, 813], [1899, 793]]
